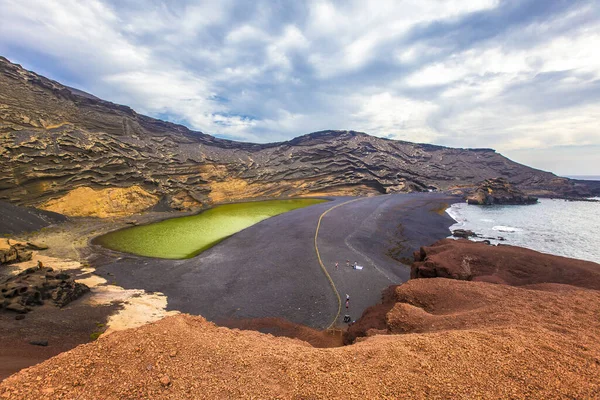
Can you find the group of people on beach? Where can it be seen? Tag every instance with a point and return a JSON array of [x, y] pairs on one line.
[[337, 264]]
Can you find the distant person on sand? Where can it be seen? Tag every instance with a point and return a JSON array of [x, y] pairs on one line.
[[347, 304], [336, 265], [347, 297], [347, 263]]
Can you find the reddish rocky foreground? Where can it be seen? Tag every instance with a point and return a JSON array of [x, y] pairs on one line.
[[436, 338]]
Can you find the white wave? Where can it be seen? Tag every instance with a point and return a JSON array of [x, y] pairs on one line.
[[455, 214], [501, 228], [486, 220]]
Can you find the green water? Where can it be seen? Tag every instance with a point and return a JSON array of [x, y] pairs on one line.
[[186, 237]]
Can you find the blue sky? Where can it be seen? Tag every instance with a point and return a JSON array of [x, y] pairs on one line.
[[522, 77]]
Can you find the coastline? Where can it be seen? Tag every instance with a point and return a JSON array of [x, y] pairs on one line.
[[553, 226]]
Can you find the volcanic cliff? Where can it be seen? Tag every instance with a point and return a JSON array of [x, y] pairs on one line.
[[67, 151]]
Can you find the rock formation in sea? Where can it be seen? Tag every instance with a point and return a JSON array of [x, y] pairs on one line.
[[498, 191], [66, 151]]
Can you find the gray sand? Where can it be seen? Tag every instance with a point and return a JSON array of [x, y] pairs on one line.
[[271, 269]]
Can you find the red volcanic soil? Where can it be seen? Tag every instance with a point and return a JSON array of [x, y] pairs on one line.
[[431, 338], [516, 266], [283, 328], [478, 262]]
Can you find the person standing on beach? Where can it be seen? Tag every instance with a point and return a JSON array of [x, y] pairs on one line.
[[347, 263], [347, 303], [336, 265]]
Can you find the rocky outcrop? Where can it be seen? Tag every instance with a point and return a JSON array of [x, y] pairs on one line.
[[36, 285], [55, 140], [430, 338], [12, 251], [463, 233], [501, 277], [511, 265], [499, 191]]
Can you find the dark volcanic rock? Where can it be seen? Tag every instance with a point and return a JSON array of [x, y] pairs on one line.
[[499, 191], [463, 233], [36, 285], [56, 139]]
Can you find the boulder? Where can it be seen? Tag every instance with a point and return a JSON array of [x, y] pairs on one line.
[[12, 251], [498, 191], [35, 285], [463, 233]]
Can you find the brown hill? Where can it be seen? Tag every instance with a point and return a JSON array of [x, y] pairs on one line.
[[465, 260], [511, 265], [58, 141]]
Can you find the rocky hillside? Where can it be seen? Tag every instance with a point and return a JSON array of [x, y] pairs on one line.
[[58, 141], [498, 191]]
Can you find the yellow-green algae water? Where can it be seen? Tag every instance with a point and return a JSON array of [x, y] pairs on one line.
[[186, 237]]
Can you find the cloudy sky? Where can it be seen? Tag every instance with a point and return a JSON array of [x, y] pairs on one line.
[[519, 76]]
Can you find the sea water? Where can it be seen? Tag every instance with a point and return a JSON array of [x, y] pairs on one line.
[[560, 227]]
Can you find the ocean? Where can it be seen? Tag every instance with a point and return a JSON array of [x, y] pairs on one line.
[[585, 177], [560, 227]]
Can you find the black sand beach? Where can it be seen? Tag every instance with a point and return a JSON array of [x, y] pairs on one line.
[[271, 269], [16, 219]]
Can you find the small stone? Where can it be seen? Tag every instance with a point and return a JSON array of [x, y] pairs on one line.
[[39, 342], [165, 381], [173, 353]]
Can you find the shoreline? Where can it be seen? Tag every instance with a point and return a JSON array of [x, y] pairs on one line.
[[552, 226]]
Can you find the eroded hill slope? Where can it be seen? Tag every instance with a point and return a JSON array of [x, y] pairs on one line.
[[56, 139]]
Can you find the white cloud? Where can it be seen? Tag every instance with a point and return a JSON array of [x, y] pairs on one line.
[[397, 117], [355, 30]]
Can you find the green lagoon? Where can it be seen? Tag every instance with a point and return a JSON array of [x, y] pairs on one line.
[[186, 237]]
